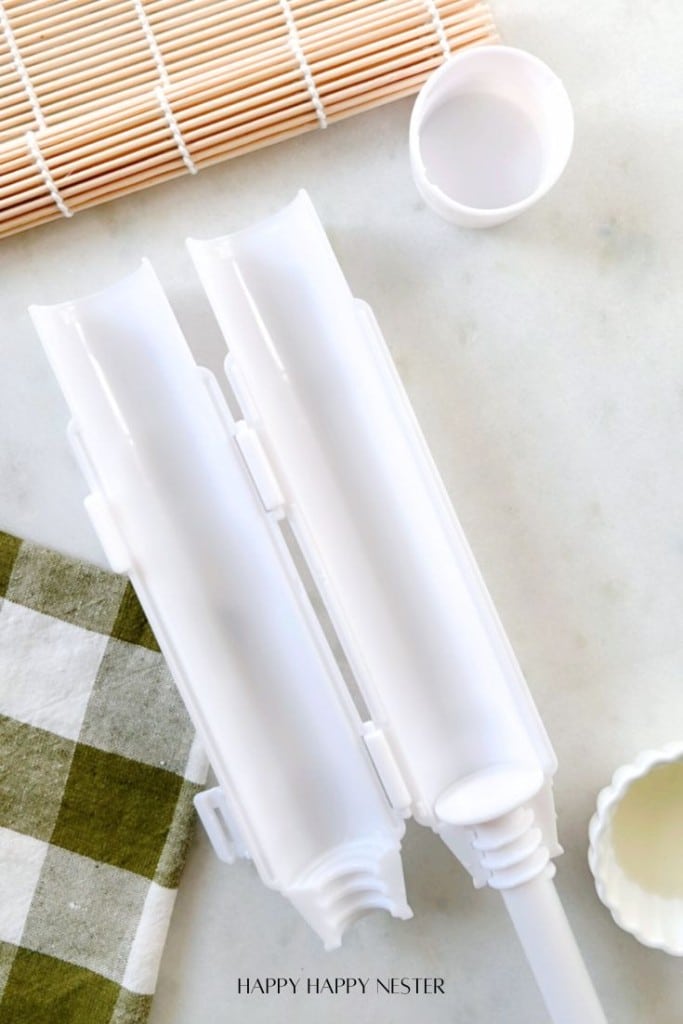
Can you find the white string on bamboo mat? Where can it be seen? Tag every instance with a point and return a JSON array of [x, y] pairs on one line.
[[438, 26], [46, 174], [160, 90], [174, 127], [152, 43], [297, 50], [20, 68]]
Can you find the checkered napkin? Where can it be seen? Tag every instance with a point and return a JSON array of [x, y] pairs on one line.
[[98, 768]]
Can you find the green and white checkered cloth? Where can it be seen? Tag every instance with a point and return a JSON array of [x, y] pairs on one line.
[[98, 767]]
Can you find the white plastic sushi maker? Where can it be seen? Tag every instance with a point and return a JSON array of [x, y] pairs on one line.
[[196, 506]]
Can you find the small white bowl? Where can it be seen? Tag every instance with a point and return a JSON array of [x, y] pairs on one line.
[[490, 133], [636, 848]]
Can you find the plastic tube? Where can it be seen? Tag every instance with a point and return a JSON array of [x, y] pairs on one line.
[[369, 508], [454, 731], [174, 504]]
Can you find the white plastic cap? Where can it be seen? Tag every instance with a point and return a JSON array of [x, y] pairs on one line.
[[490, 133]]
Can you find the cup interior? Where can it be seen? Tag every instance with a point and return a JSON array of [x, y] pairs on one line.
[[647, 831]]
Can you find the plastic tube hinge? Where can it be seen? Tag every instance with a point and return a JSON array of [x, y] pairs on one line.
[[219, 825], [108, 532], [259, 467], [246, 438], [97, 507], [387, 768], [240, 388]]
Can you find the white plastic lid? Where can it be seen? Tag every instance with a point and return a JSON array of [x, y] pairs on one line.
[[490, 133]]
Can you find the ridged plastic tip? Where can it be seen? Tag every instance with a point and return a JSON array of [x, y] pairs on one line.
[[349, 883]]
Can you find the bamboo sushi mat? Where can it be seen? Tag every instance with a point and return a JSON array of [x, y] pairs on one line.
[[102, 97]]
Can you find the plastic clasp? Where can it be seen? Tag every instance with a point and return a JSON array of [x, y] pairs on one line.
[[219, 825]]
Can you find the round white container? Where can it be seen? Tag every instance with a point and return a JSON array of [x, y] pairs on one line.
[[490, 133], [636, 848]]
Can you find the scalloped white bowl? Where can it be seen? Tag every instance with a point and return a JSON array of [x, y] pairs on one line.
[[655, 919]]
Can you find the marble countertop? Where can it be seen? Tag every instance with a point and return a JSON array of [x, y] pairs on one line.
[[544, 362]]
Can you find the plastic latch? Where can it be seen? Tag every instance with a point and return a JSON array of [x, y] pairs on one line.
[[259, 467], [247, 440], [219, 825], [388, 770], [108, 532], [240, 388], [96, 506], [75, 439]]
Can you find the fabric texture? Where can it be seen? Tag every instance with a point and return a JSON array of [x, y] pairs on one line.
[[98, 768]]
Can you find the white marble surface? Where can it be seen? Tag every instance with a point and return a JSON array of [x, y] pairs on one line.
[[544, 361]]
